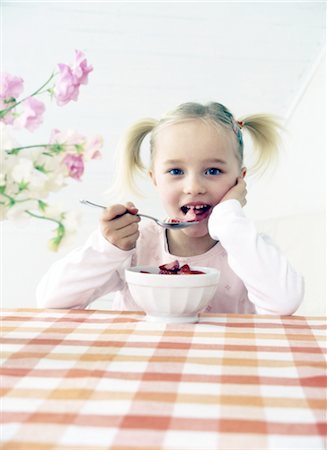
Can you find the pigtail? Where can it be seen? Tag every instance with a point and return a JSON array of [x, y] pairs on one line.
[[129, 163], [264, 131]]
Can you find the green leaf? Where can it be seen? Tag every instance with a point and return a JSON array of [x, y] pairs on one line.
[[13, 151], [23, 185], [10, 100], [42, 205], [79, 148], [41, 168], [55, 242], [57, 148]]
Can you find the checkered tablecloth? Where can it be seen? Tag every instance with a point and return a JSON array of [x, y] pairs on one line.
[[109, 380]]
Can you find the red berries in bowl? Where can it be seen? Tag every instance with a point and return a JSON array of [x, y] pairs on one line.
[[174, 268]]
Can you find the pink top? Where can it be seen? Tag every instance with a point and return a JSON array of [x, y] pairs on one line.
[[255, 277]]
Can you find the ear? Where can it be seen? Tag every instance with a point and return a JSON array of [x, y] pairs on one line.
[[153, 178], [243, 172]]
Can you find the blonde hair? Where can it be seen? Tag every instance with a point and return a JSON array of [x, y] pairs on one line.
[[263, 129]]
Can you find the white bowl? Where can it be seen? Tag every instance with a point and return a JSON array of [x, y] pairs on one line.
[[171, 298]]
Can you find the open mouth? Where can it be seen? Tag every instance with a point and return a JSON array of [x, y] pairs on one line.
[[196, 211]]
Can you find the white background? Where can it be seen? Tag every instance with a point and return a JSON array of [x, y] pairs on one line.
[[150, 56]]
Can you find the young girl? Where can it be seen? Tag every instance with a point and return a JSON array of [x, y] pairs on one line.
[[196, 166]]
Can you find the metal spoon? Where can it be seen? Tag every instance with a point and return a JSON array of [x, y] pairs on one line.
[[162, 223]]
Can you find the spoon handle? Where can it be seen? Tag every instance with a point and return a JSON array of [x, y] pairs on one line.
[[96, 205]]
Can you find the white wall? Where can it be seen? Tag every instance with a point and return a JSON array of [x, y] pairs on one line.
[[290, 203]]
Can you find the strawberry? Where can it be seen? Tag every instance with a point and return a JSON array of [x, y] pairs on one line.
[[185, 269], [173, 268], [169, 267], [194, 272]]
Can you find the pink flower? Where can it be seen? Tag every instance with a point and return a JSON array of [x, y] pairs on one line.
[[69, 138], [75, 165], [10, 86], [66, 88], [80, 68], [70, 79], [32, 115], [93, 147], [9, 116]]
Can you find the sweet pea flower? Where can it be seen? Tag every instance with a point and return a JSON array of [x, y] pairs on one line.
[[75, 165], [11, 86], [71, 222], [6, 139], [56, 181], [32, 115], [10, 116], [22, 170], [80, 69], [30, 173], [93, 146], [70, 79], [17, 213], [66, 88], [55, 211], [25, 172], [68, 138]]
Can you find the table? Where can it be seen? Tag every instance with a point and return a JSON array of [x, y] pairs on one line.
[[110, 380]]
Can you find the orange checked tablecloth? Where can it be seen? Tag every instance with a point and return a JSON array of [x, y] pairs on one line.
[[109, 380]]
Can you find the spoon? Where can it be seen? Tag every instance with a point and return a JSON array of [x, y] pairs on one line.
[[162, 223]]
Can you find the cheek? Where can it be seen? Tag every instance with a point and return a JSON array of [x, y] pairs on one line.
[[165, 190], [167, 194], [223, 187]]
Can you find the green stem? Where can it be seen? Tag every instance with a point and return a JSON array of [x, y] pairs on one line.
[[55, 242], [14, 151], [54, 148], [3, 112], [7, 196], [40, 89], [12, 201], [44, 218]]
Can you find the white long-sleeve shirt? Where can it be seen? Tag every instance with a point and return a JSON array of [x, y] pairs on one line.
[[255, 277]]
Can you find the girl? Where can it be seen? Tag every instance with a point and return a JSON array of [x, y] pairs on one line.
[[196, 166]]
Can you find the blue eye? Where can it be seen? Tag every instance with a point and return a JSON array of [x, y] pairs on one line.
[[175, 172], [213, 171]]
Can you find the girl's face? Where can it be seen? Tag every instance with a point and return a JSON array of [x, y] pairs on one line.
[[194, 166]]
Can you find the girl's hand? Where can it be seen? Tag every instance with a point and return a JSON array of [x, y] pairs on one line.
[[119, 225], [237, 192]]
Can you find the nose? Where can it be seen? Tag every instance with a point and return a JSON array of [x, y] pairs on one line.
[[194, 185]]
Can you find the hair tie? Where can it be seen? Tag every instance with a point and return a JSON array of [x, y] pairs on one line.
[[237, 126]]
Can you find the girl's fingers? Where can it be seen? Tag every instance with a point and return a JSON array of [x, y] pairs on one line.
[[125, 238], [131, 208], [122, 222], [119, 224], [126, 231], [117, 211], [113, 212]]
